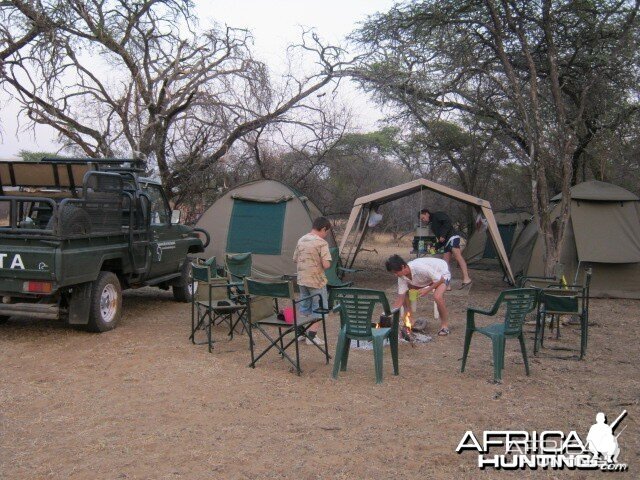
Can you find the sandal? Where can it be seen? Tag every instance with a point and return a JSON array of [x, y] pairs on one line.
[[465, 284], [444, 332]]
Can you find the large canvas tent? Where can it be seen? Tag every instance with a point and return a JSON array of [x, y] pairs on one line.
[[264, 217], [363, 207], [603, 231], [480, 250]]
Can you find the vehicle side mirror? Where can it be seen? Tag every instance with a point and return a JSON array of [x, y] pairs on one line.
[[175, 216]]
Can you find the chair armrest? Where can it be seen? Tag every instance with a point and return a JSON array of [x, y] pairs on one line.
[[321, 309], [523, 281], [350, 270], [488, 313], [302, 299], [471, 312], [395, 322]]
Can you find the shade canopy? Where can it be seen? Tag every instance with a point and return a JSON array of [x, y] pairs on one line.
[[363, 206]]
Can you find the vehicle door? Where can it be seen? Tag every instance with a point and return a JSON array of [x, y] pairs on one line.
[[165, 256]]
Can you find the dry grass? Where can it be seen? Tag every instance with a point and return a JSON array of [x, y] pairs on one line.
[[142, 402]]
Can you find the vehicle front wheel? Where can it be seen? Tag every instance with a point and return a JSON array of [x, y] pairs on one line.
[[106, 303], [182, 291]]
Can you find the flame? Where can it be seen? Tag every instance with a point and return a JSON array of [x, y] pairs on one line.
[[407, 321]]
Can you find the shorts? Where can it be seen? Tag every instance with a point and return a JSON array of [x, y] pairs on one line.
[[308, 306], [453, 242]]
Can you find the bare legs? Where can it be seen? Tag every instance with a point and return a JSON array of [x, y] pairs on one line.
[[457, 254], [438, 297]]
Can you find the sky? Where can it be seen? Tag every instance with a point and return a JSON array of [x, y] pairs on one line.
[[274, 25]]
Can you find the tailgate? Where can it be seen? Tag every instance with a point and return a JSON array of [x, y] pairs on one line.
[[21, 261]]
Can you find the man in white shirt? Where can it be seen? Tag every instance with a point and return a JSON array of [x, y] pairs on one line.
[[425, 275]]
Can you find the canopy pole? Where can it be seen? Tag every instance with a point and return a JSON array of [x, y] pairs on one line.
[[492, 228], [355, 211]]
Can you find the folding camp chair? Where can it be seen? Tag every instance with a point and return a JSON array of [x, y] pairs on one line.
[[335, 272], [238, 266], [557, 300], [216, 270], [356, 315], [261, 319], [518, 303], [212, 304]]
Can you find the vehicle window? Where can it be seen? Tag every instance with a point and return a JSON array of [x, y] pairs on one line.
[[160, 213]]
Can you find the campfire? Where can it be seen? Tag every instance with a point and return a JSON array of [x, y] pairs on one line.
[[405, 331]]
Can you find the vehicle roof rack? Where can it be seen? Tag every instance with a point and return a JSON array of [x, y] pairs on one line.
[[120, 164]]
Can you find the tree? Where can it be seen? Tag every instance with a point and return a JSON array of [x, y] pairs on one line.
[[139, 78], [30, 156], [536, 72]]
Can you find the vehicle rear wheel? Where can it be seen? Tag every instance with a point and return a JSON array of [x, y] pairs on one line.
[[106, 303], [182, 291]]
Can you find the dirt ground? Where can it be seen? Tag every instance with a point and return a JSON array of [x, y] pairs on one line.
[[143, 402]]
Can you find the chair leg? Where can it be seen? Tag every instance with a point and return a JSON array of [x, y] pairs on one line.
[[209, 327], [504, 344], [536, 334], [340, 344], [497, 364], [326, 341], [544, 321], [253, 361], [524, 353], [297, 345], [467, 344], [193, 323], [345, 354], [583, 336], [393, 344], [557, 327], [378, 352]]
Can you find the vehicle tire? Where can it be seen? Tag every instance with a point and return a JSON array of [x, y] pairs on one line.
[[106, 303], [4, 319], [73, 221], [182, 291]]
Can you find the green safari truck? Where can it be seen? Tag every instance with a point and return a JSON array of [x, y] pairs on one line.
[[75, 232]]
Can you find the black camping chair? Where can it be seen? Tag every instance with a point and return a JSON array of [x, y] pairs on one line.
[[557, 300], [212, 304], [265, 299]]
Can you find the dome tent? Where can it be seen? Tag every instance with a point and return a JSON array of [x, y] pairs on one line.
[[603, 231], [480, 251], [264, 217]]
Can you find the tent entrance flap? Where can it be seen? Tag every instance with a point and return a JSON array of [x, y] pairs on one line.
[[506, 233], [256, 227]]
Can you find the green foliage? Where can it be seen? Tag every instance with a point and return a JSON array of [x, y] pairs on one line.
[[30, 156], [383, 142]]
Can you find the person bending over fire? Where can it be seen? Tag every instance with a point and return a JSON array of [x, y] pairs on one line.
[[425, 275]]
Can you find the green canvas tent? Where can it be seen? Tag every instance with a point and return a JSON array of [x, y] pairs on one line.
[[603, 230], [264, 217], [480, 251]]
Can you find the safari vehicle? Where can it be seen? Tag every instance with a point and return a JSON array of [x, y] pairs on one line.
[[75, 232]]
